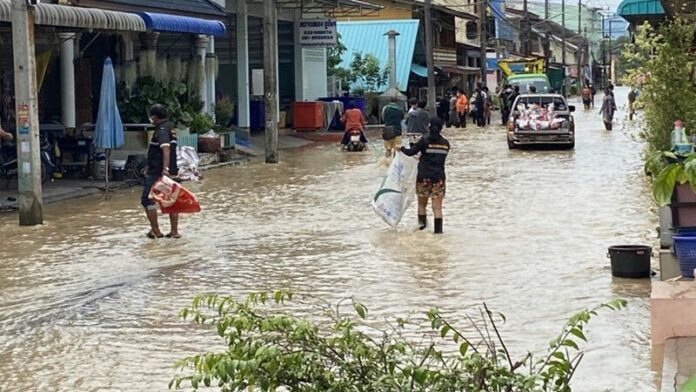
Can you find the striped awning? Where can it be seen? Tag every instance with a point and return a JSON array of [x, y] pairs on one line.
[[78, 17]]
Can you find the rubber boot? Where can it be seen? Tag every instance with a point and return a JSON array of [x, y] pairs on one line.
[[422, 222], [438, 225]]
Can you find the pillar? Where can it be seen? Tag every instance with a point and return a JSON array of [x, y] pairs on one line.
[[148, 53], [129, 65], [210, 76], [67, 79], [242, 65], [201, 44]]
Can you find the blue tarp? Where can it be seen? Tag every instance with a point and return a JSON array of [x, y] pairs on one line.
[[108, 132], [182, 24]]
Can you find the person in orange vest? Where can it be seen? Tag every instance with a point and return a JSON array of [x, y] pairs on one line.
[[462, 108]]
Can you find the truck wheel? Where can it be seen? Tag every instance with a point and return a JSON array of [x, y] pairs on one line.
[[511, 145]]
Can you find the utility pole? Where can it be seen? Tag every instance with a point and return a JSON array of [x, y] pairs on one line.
[[611, 57], [429, 56], [581, 78], [563, 45], [483, 37], [26, 106], [525, 30], [270, 77], [547, 44]]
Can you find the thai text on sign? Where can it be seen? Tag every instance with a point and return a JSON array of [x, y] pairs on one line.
[[317, 32]]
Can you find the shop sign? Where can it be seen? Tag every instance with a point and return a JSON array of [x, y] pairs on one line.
[[318, 32]]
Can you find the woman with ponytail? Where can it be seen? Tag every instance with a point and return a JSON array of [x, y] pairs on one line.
[[431, 172]]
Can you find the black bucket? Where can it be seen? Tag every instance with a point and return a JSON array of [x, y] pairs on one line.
[[630, 261]]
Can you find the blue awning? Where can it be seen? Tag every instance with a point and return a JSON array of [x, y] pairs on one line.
[[419, 70], [182, 24]]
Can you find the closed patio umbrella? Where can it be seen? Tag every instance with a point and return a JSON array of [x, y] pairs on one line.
[[108, 132]]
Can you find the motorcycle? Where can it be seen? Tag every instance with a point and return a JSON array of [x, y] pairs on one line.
[[355, 143], [8, 160]]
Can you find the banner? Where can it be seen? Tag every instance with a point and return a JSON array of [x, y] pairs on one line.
[[318, 32]]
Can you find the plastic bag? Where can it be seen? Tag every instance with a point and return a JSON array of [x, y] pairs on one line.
[[397, 190], [173, 198]]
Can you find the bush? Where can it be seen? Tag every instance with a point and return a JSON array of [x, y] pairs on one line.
[[660, 63], [269, 349]]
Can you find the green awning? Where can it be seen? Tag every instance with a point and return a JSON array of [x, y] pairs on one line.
[[419, 70], [640, 8]]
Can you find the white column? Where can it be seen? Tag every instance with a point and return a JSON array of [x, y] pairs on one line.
[[67, 79], [210, 75], [299, 65], [201, 49], [242, 64]]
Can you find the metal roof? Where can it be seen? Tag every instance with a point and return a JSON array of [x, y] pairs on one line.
[[182, 24], [181, 7], [368, 37], [640, 8], [77, 17]]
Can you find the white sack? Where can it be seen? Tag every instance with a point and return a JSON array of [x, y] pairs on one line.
[[397, 190]]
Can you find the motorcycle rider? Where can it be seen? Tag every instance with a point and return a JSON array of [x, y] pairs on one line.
[[354, 120]]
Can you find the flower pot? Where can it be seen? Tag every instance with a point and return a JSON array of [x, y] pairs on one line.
[[630, 261], [209, 144]]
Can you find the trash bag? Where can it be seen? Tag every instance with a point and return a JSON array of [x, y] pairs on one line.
[[397, 190], [173, 198]]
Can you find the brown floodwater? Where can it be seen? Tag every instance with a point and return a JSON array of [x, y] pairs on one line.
[[87, 303]]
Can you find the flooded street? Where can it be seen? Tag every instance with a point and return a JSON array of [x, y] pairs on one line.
[[87, 303]]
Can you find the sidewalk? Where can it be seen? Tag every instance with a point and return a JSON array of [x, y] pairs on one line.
[[255, 144], [56, 190]]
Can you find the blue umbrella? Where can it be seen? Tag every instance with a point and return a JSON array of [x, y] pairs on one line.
[[108, 132]]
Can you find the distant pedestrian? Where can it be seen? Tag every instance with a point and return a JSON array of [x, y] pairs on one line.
[[417, 120], [487, 106], [532, 89], [587, 97], [505, 103], [462, 108], [392, 115], [454, 118], [431, 173], [442, 107], [632, 96], [161, 161], [594, 92], [412, 105], [607, 110]]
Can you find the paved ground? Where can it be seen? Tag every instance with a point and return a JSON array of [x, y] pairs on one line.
[[55, 190]]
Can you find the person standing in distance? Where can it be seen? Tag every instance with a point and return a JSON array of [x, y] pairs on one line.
[[161, 161], [431, 172], [392, 115]]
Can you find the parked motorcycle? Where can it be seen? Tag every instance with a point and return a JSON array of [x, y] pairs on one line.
[[355, 143], [8, 160]]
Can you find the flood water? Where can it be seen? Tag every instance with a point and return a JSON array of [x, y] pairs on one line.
[[87, 303]]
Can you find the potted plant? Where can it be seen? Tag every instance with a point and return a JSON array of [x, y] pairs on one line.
[[201, 124], [675, 185]]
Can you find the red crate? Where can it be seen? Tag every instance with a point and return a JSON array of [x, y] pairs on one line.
[[307, 116]]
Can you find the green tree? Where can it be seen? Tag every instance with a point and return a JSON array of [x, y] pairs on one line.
[[661, 64], [367, 72], [269, 348]]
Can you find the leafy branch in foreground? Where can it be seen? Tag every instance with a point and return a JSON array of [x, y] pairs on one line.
[[269, 349]]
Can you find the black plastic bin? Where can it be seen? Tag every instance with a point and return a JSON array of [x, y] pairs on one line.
[[630, 261]]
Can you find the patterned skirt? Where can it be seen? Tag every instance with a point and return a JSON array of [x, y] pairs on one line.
[[429, 188]]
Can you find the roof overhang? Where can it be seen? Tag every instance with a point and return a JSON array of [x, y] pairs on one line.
[[182, 24], [78, 18], [639, 10]]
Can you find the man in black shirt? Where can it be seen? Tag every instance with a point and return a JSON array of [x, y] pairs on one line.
[[161, 161]]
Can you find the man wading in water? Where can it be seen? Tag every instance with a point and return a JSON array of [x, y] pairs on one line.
[[161, 161]]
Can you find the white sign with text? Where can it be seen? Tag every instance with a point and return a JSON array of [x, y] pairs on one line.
[[317, 32]]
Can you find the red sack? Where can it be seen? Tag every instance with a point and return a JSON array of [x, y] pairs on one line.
[[173, 198]]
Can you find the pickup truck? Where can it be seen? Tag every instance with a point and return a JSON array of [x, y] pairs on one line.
[[541, 119]]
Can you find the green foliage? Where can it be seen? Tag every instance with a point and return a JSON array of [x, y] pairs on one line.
[[661, 64], [367, 72], [201, 122], [224, 110], [135, 101], [670, 171], [335, 56], [269, 349]]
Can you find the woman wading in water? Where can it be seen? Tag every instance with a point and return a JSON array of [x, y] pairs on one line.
[[431, 172]]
